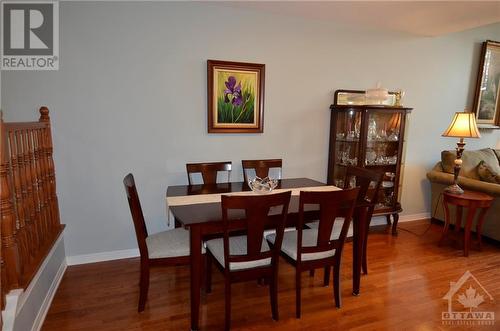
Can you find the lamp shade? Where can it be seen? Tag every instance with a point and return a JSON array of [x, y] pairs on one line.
[[463, 125]]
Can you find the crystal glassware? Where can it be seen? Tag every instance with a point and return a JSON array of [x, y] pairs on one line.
[[262, 185]]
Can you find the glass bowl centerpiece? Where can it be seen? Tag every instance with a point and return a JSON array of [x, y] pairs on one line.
[[262, 185]]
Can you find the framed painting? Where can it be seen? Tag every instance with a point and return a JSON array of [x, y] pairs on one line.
[[235, 97], [487, 97]]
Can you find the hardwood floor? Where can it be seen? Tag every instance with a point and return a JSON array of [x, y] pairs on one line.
[[408, 277]]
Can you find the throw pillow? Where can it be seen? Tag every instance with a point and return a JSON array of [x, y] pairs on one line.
[[471, 159], [486, 174]]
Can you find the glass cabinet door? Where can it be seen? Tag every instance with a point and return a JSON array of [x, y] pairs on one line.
[[382, 148], [347, 143]]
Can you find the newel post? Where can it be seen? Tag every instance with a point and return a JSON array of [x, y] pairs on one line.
[[48, 148], [9, 250]]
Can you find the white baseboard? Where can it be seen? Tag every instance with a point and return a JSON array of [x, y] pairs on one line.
[[134, 252], [9, 313], [415, 217], [101, 257], [380, 220], [44, 309]]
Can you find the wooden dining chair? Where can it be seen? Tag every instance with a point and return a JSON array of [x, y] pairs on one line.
[[308, 249], [369, 183], [208, 170], [261, 167], [248, 257], [164, 248]]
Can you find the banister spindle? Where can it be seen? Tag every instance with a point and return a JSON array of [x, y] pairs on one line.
[[40, 183], [16, 164], [7, 218], [54, 205], [29, 203], [35, 211], [23, 163], [46, 181]]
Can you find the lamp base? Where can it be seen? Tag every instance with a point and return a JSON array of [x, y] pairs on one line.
[[454, 189]]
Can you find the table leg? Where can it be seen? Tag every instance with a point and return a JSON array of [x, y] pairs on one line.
[[446, 222], [395, 224], [458, 218], [357, 248], [196, 261], [479, 226], [468, 224]]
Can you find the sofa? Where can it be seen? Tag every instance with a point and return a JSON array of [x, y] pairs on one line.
[[441, 176]]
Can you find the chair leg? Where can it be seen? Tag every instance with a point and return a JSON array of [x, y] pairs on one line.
[[336, 285], [326, 280], [273, 292], [143, 286], [311, 273], [208, 273], [297, 293], [227, 324], [364, 263]]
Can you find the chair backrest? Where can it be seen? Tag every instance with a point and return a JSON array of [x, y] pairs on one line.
[[332, 205], [141, 231], [261, 167], [257, 216], [208, 170], [364, 177]]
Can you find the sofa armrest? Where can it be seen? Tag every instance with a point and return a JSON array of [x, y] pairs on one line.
[[436, 176]]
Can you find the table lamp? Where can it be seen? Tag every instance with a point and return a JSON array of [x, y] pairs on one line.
[[462, 126]]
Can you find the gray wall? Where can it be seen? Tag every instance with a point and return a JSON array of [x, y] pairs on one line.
[[130, 95]]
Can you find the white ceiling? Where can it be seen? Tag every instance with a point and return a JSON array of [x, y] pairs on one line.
[[424, 18]]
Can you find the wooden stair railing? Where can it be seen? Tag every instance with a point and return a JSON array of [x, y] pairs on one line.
[[29, 209]]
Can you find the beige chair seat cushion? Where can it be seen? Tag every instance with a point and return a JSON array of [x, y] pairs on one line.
[[171, 243], [237, 246], [309, 239], [337, 228]]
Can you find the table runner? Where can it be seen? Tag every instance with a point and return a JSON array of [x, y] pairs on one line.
[[216, 197]]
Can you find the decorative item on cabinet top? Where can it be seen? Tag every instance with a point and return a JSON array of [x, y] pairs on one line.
[[374, 97], [369, 136]]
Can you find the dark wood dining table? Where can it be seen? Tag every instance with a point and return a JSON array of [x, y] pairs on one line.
[[204, 220]]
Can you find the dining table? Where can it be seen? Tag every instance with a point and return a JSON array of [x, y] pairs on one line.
[[197, 208]]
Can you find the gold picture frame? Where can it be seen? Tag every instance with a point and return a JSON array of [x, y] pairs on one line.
[[235, 97], [487, 96]]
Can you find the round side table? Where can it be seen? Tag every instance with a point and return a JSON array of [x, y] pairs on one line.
[[472, 201]]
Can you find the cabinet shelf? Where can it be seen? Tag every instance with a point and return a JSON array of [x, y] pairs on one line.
[[380, 165], [382, 141], [347, 141]]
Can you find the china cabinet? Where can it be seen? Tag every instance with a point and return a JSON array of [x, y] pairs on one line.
[[369, 134]]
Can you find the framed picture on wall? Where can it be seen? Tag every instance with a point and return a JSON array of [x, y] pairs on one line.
[[235, 97], [487, 97]]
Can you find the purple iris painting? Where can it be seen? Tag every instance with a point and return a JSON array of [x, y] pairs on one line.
[[234, 91], [236, 102]]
